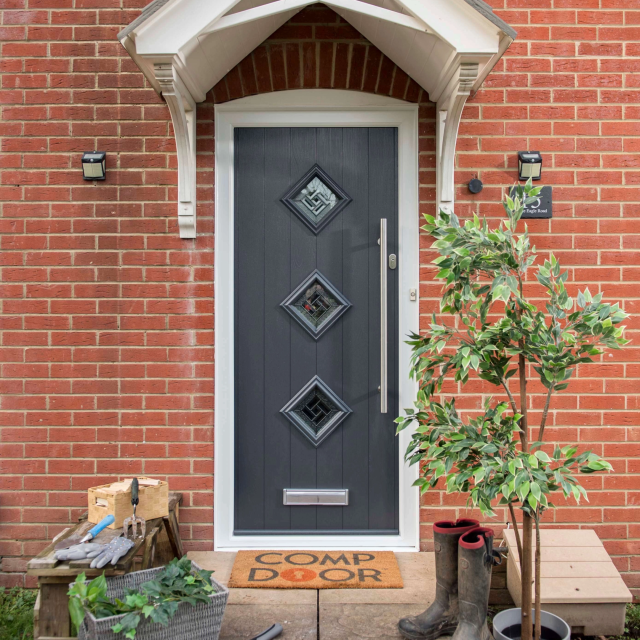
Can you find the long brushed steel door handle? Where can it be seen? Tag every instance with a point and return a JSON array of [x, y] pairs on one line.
[[383, 315]]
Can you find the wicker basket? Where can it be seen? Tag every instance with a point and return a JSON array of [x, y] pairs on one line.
[[189, 623]]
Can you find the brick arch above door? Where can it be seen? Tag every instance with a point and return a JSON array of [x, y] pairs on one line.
[[317, 49]]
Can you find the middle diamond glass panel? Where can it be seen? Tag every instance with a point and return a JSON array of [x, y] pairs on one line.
[[316, 304]]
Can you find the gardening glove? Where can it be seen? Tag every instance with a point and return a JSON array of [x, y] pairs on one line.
[[117, 548], [80, 551]]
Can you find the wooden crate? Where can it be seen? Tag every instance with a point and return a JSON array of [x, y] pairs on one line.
[[579, 582], [154, 503]]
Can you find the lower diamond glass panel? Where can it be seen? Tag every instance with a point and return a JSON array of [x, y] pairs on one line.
[[316, 410]]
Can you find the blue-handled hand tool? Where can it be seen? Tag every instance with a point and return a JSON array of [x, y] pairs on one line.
[[103, 524], [93, 532]]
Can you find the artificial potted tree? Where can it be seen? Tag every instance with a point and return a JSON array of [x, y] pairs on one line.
[[489, 328]]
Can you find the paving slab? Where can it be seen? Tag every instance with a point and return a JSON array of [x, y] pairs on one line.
[[217, 561], [349, 621], [241, 621]]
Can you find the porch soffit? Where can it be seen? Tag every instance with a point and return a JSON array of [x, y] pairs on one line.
[[184, 47]]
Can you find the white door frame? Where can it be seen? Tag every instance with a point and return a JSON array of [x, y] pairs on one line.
[[311, 108]]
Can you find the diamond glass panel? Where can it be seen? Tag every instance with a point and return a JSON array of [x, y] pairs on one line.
[[316, 199], [316, 304], [316, 410]]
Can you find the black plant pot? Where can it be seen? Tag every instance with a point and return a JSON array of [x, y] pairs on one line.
[[507, 625]]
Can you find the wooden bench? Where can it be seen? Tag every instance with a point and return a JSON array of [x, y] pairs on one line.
[[579, 582], [51, 613]]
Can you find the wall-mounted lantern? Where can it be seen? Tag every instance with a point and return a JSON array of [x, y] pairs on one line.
[[94, 165], [529, 165]]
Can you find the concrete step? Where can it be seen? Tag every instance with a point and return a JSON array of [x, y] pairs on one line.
[[327, 614]]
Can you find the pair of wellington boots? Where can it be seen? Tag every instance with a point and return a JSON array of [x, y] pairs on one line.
[[464, 558]]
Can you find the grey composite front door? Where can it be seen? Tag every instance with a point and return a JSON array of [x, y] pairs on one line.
[[308, 322]]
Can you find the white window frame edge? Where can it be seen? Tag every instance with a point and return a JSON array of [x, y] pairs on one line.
[[329, 108]]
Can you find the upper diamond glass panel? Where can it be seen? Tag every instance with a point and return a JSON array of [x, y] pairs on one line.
[[316, 199], [316, 304]]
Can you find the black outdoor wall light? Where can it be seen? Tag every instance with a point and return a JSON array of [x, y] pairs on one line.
[[529, 165], [94, 165], [475, 185]]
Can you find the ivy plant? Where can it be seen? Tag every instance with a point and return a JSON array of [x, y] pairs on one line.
[[489, 328], [157, 599]]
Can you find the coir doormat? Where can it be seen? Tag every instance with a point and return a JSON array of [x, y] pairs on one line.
[[316, 570]]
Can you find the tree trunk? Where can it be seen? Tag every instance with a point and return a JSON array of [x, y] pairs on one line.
[[538, 627], [527, 520], [524, 421], [527, 577], [517, 532]]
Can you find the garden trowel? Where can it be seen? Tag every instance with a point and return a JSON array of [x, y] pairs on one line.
[[133, 521]]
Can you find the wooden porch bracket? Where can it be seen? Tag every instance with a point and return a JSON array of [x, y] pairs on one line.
[[448, 114], [182, 108]]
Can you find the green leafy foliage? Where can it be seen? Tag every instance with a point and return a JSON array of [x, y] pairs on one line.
[[631, 624], [632, 621], [483, 458], [16, 613], [157, 599], [493, 332]]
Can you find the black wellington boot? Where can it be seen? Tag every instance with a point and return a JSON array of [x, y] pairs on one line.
[[476, 557], [441, 618]]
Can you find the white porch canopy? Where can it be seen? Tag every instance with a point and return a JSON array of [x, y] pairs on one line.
[[184, 47]]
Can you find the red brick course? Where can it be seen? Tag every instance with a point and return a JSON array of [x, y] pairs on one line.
[[106, 349]]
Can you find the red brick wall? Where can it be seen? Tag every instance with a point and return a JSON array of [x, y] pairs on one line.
[[107, 320], [570, 87], [107, 316]]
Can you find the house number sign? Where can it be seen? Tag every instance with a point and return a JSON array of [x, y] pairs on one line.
[[541, 208]]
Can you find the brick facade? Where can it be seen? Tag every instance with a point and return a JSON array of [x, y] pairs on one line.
[[107, 316]]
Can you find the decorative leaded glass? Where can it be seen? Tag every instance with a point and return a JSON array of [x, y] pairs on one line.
[[316, 199], [316, 410], [316, 304]]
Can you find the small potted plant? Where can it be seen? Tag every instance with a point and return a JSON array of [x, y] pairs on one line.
[[497, 333], [177, 601]]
